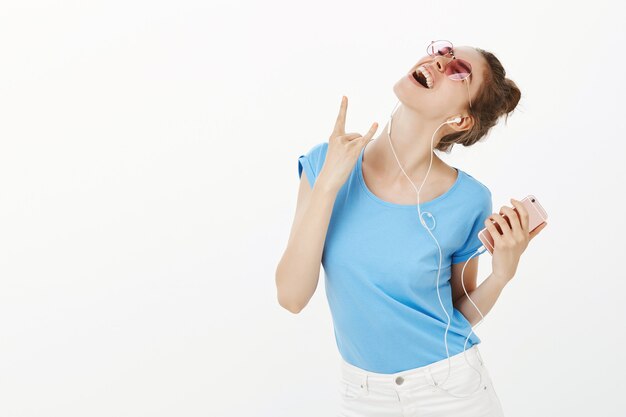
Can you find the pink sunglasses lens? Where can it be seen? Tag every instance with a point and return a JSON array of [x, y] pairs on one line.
[[439, 48], [458, 69]]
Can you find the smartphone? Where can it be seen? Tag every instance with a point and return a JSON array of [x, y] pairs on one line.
[[536, 217]]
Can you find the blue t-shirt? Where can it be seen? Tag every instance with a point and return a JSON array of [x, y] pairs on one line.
[[380, 268]]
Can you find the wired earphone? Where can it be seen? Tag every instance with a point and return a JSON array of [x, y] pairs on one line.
[[480, 250]]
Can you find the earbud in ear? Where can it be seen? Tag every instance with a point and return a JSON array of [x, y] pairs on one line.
[[455, 120]]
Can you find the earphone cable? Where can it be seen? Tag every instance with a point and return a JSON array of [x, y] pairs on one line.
[[480, 250]]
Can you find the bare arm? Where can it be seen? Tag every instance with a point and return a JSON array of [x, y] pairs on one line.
[[469, 278], [484, 296], [297, 273]]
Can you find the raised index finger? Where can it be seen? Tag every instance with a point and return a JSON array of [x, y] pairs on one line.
[[340, 124]]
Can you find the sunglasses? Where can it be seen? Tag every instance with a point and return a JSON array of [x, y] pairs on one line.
[[457, 69]]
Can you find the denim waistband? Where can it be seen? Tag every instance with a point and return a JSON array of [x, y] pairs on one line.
[[410, 378]]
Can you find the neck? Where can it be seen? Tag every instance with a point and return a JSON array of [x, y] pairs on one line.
[[411, 136]]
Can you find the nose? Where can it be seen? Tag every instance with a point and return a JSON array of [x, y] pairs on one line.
[[440, 62]]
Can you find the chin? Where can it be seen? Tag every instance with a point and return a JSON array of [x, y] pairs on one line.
[[410, 96]]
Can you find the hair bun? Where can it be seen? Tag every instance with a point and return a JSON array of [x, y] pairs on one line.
[[513, 96]]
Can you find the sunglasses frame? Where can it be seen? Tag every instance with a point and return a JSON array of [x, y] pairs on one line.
[[453, 58]]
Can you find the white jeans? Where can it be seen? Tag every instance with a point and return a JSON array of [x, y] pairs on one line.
[[421, 392]]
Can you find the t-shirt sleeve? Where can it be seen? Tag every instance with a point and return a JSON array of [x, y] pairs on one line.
[[472, 243], [312, 162]]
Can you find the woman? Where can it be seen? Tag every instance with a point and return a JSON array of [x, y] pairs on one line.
[[402, 292]]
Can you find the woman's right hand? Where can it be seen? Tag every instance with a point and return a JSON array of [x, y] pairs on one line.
[[343, 150]]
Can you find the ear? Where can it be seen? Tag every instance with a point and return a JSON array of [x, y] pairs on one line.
[[466, 123]]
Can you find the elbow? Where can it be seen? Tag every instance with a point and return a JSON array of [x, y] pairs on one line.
[[285, 299], [289, 304], [292, 308]]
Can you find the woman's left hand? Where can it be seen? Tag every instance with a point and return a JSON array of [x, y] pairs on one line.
[[511, 240]]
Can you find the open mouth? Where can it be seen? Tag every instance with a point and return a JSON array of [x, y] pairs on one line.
[[420, 78]]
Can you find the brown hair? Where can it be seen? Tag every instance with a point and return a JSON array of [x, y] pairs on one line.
[[497, 96]]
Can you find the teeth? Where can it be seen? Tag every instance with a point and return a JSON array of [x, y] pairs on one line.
[[429, 79]]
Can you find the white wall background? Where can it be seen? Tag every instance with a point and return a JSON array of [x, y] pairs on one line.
[[148, 174]]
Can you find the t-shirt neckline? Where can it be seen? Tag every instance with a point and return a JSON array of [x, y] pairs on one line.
[[373, 196]]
